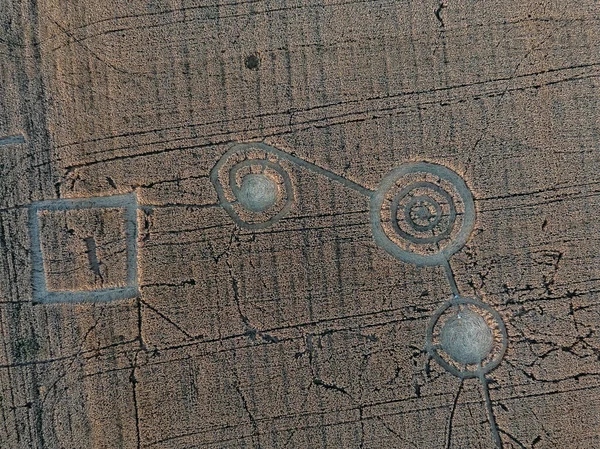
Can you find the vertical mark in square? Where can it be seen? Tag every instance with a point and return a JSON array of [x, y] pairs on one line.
[[127, 288], [92, 253]]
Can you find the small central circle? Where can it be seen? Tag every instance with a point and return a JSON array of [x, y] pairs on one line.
[[258, 192], [466, 337], [422, 213]]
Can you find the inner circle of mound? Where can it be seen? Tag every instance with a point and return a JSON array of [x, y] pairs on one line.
[[466, 337], [254, 185], [258, 192]]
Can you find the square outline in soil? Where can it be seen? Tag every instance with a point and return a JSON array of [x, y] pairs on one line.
[[128, 202]]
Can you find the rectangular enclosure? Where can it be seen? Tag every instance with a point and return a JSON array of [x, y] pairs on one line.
[[68, 238]]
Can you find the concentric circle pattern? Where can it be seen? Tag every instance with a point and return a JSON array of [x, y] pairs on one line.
[[253, 185], [422, 213]]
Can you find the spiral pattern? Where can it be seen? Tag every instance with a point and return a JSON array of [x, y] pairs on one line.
[[422, 213], [253, 185]]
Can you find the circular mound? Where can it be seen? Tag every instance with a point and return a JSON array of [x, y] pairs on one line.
[[258, 192], [422, 213], [253, 185], [466, 337]]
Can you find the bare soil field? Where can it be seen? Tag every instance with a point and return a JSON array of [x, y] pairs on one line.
[[299, 224]]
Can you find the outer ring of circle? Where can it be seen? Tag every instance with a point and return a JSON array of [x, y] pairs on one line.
[[228, 205], [433, 352], [440, 257]]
